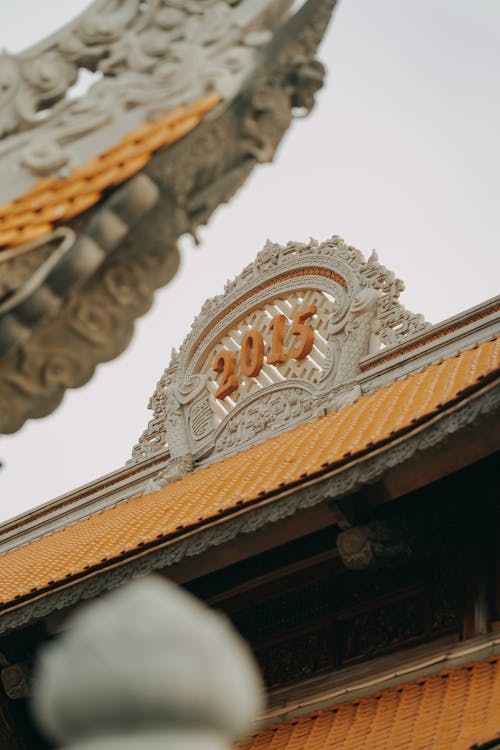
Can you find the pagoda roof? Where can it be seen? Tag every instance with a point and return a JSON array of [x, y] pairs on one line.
[[265, 478], [456, 709], [89, 185]]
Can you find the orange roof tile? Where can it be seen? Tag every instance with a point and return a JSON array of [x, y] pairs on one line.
[[263, 469], [52, 199], [453, 710]]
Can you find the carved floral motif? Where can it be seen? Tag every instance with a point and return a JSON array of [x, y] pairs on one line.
[[270, 413], [380, 629]]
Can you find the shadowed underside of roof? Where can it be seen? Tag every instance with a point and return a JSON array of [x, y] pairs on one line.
[[453, 710], [222, 488]]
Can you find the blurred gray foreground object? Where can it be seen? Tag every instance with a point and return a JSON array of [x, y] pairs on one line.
[[147, 668]]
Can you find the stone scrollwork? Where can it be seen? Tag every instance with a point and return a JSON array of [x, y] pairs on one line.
[[22, 272], [93, 324], [394, 322], [146, 57], [356, 312], [263, 416], [181, 411]]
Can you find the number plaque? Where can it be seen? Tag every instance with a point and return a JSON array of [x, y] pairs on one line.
[[252, 350]]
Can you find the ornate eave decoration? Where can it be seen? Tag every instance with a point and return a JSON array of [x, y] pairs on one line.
[[282, 345], [69, 299], [148, 58]]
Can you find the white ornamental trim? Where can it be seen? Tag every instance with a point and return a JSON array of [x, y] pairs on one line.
[[353, 310]]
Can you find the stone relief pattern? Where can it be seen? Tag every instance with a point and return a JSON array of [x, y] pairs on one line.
[[315, 278], [394, 321], [271, 413], [356, 324], [358, 336], [152, 56], [175, 470], [158, 404], [334, 254]]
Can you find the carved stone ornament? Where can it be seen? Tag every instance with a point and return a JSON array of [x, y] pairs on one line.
[[146, 57], [50, 342], [282, 345]]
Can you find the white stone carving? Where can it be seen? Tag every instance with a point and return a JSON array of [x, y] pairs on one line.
[[342, 396], [358, 313], [175, 470], [358, 334], [267, 414], [151, 56], [147, 668]]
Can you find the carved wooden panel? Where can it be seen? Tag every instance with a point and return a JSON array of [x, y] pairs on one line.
[[304, 627], [10, 727], [382, 627], [297, 658]]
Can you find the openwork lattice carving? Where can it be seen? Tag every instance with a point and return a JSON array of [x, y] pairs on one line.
[[310, 368], [210, 401]]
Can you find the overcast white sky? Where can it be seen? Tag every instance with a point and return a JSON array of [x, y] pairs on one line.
[[401, 154]]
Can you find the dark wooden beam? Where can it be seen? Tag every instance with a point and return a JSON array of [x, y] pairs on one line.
[[246, 546], [463, 448]]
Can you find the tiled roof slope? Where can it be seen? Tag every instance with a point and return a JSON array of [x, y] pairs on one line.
[[53, 199], [453, 710], [225, 486]]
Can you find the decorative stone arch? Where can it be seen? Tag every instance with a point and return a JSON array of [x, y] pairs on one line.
[[337, 306]]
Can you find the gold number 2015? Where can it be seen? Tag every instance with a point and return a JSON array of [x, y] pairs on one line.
[[225, 362], [252, 350]]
